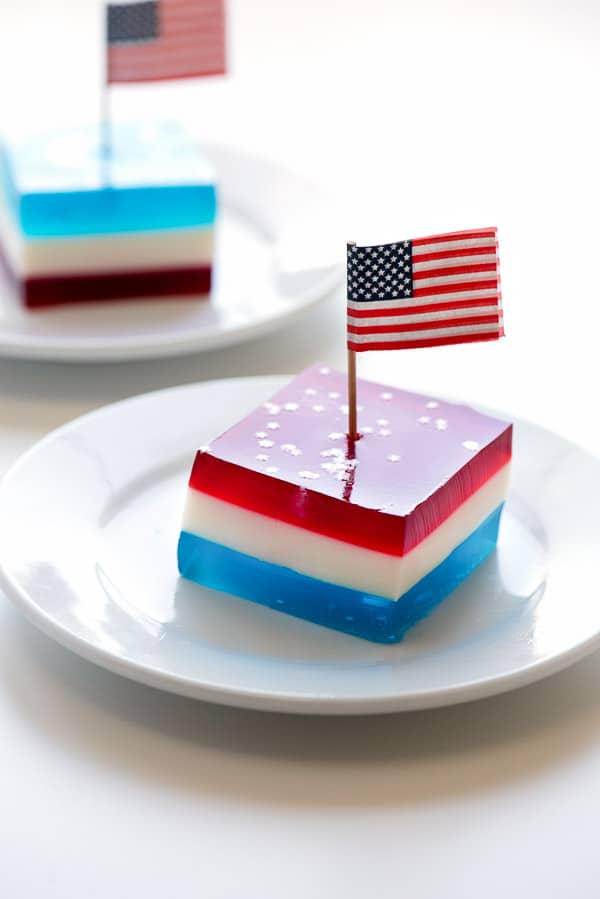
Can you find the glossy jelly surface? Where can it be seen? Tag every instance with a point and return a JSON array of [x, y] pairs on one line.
[[66, 184], [416, 461], [362, 615]]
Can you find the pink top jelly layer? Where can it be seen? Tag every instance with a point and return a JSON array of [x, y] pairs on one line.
[[417, 459]]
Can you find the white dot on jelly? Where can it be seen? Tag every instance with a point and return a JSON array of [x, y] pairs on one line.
[[470, 445], [333, 467]]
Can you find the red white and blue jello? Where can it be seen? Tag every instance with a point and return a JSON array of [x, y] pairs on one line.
[[79, 222], [365, 536]]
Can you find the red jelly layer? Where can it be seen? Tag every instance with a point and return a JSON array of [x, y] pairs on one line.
[[417, 460], [50, 291]]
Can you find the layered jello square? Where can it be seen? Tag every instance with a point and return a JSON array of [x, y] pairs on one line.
[[83, 220], [366, 536]]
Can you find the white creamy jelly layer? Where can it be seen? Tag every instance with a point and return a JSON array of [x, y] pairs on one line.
[[127, 251], [333, 560]]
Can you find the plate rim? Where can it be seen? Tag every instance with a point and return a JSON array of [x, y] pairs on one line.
[[272, 700]]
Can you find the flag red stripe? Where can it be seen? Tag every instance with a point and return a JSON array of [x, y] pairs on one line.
[[156, 65], [148, 55], [425, 326], [183, 36], [186, 27], [454, 270], [190, 17], [367, 312], [160, 54], [428, 342], [194, 43], [453, 254], [165, 61], [453, 288], [162, 76], [455, 235]]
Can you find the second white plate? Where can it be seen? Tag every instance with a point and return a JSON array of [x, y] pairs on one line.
[[278, 252], [89, 521]]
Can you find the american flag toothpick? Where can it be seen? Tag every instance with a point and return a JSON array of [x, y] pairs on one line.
[[157, 40], [154, 40], [425, 292]]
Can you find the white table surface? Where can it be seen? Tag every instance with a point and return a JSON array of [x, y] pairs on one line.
[[418, 117]]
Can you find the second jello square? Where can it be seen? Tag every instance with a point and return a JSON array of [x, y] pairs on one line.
[[364, 536], [83, 221]]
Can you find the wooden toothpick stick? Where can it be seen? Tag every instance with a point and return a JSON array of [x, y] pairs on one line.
[[352, 423], [352, 416]]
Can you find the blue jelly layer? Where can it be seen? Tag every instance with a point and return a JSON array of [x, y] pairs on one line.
[[361, 614], [62, 185]]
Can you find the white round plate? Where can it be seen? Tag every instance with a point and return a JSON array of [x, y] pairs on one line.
[[89, 521], [278, 251]]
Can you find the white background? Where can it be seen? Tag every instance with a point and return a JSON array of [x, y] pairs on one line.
[[416, 118]]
